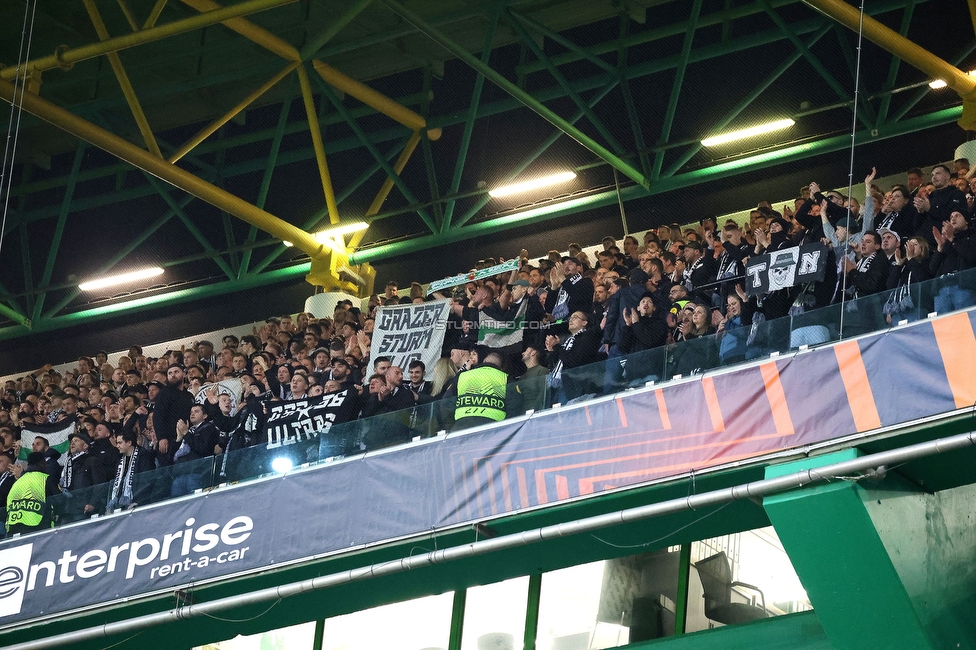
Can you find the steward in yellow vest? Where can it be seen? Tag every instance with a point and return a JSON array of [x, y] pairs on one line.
[[27, 506], [482, 394]]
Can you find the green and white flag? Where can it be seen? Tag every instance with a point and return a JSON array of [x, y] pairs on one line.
[[56, 434], [501, 334]]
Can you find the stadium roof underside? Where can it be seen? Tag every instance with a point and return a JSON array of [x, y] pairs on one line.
[[198, 137]]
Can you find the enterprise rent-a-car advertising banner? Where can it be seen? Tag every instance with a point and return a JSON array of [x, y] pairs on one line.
[[643, 435]]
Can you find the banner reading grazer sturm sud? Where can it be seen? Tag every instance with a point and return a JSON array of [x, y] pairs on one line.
[[304, 419], [56, 434], [407, 332], [785, 268]]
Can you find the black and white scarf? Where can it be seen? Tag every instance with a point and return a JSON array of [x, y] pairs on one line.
[[124, 477], [69, 467]]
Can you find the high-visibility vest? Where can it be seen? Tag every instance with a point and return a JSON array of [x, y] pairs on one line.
[[481, 393], [27, 503]]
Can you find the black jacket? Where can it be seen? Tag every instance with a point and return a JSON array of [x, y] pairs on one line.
[[577, 350], [957, 255], [201, 440], [172, 405], [647, 333], [105, 457], [873, 279], [942, 203], [578, 292], [51, 464]]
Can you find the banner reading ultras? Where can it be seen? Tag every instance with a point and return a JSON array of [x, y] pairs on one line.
[[407, 332], [304, 419]]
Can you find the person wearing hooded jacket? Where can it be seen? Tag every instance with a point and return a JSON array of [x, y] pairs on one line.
[[776, 303]]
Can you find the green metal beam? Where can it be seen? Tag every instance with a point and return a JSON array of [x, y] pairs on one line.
[[469, 120], [122, 253], [190, 226], [327, 91], [748, 99], [433, 185], [679, 79], [15, 316], [714, 172], [318, 41], [920, 95], [533, 600], [457, 619], [269, 167], [28, 267], [684, 579], [65, 210], [811, 58], [531, 157], [657, 34], [540, 55], [397, 33], [7, 296], [556, 37], [216, 290], [230, 251], [630, 105], [321, 216], [864, 106], [531, 102], [906, 22]]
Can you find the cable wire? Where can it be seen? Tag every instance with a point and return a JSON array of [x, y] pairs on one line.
[[16, 112], [850, 171]]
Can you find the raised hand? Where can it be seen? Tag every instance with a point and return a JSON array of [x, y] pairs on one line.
[[870, 178]]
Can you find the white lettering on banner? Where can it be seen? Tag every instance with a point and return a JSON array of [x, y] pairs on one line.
[[809, 263], [755, 272], [306, 419], [18, 575], [404, 343], [408, 332], [14, 567]]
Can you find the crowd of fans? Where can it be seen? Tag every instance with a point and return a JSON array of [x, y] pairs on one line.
[[677, 284]]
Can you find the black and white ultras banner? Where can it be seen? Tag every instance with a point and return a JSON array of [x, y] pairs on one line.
[[298, 420], [785, 268]]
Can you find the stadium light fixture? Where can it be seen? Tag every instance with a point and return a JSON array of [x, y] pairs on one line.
[[282, 464], [938, 83], [329, 235], [748, 133], [545, 181], [122, 278]]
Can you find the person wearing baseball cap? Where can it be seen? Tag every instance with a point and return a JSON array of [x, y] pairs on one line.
[[890, 243], [77, 479], [575, 294]]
